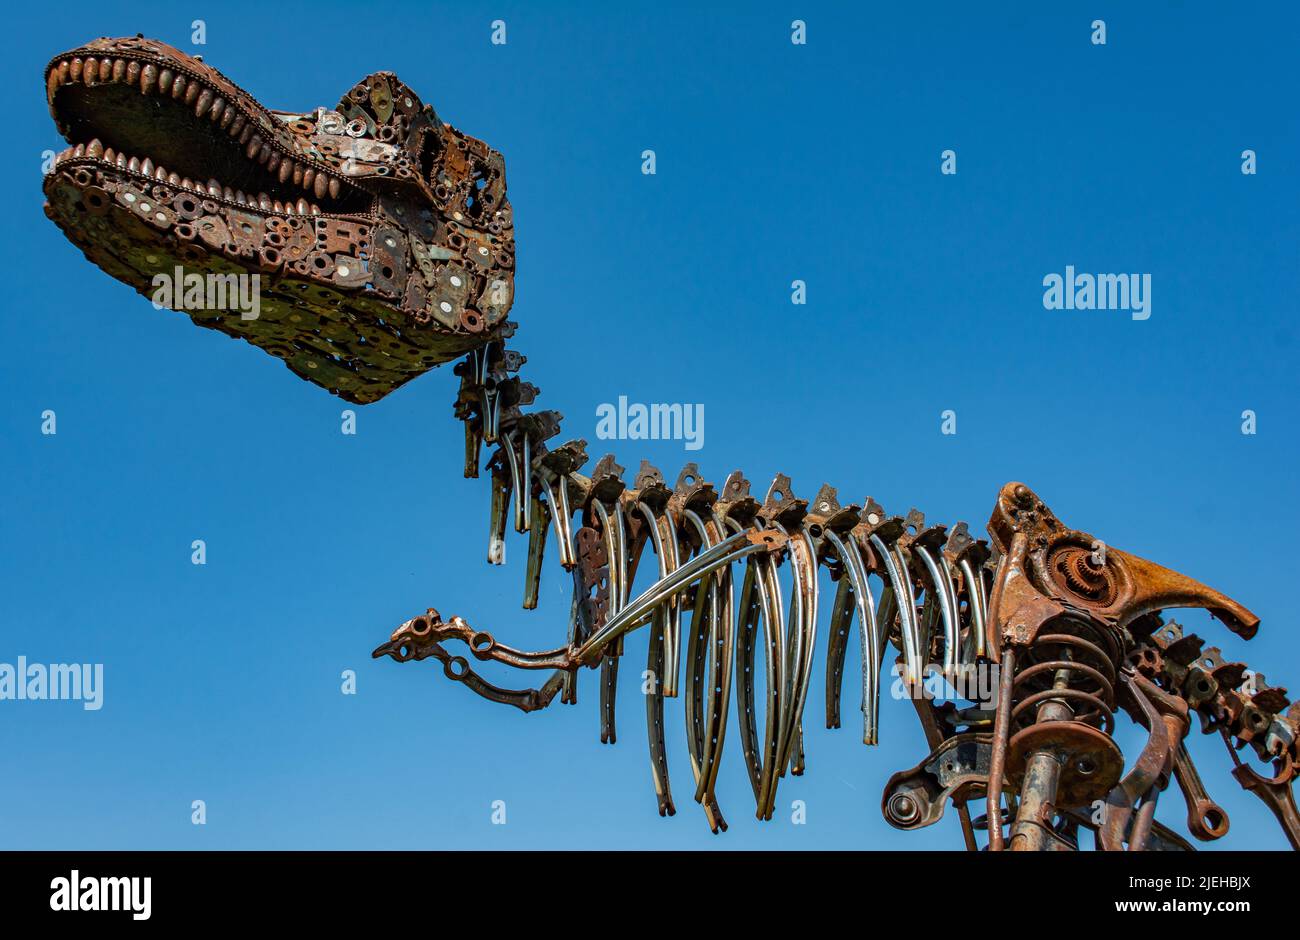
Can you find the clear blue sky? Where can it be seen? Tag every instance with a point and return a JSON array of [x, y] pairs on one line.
[[775, 162]]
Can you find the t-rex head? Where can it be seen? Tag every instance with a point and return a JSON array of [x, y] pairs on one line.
[[382, 237]]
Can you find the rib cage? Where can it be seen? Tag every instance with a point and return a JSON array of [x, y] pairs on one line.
[[540, 489], [937, 603]]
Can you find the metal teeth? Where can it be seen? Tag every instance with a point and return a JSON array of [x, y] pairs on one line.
[[153, 78]]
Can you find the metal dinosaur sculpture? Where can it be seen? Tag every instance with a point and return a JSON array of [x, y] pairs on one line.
[[383, 241]]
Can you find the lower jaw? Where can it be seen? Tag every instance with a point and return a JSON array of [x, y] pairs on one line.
[[145, 172]]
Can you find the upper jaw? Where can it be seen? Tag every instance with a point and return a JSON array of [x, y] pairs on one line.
[[291, 165]]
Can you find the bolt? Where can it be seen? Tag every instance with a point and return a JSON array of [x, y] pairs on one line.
[[903, 809]]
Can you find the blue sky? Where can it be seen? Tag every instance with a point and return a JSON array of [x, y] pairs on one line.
[[775, 162]]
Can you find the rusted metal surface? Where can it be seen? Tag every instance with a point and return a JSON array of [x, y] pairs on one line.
[[386, 241], [382, 237]]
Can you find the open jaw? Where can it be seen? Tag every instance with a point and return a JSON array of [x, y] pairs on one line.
[[377, 240]]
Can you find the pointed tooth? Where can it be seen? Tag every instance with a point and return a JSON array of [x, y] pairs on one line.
[[286, 168], [64, 68], [214, 188], [203, 102], [188, 183], [146, 167], [105, 70], [90, 71], [95, 148], [273, 164], [165, 79], [254, 145], [297, 174], [278, 206], [133, 72], [51, 84], [178, 87], [264, 202], [237, 125], [174, 179], [227, 193], [315, 209], [119, 70], [240, 197], [302, 206], [322, 185], [247, 135], [148, 79], [192, 93], [110, 155], [74, 70], [79, 151], [121, 161], [133, 164], [264, 154], [218, 105], [308, 177], [160, 175], [227, 116], [335, 188]]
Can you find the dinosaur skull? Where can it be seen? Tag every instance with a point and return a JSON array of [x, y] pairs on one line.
[[380, 240]]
